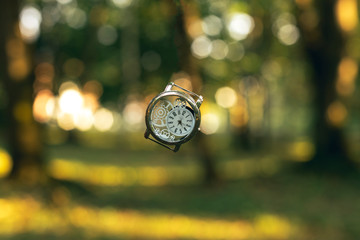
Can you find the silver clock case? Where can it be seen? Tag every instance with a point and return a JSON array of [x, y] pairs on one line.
[[174, 94]]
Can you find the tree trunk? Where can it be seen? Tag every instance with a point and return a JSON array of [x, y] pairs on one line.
[[187, 63], [22, 133], [324, 46]]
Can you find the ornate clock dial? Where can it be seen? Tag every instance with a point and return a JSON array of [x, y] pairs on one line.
[[173, 117], [180, 121]]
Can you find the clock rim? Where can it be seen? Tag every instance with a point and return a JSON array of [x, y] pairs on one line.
[[192, 103]]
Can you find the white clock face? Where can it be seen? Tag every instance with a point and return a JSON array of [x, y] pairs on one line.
[[180, 121], [172, 119]]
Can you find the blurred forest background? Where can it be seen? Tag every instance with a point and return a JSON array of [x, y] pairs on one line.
[[279, 148]]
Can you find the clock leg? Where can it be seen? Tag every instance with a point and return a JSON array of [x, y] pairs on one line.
[[177, 147], [147, 133]]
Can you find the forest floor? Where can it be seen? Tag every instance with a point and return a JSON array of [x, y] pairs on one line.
[[107, 194]]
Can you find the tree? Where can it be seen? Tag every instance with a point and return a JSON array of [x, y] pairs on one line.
[[187, 63], [22, 133], [324, 45]]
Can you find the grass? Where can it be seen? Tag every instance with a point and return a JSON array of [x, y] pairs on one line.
[[275, 204]]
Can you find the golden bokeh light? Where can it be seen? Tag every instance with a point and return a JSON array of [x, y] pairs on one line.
[[43, 106], [213, 118], [347, 72], [288, 34], [68, 85], [30, 20], [5, 164], [336, 114], [212, 25], [184, 82], [91, 101], [134, 114], [194, 28], [347, 14], [73, 108], [103, 120], [219, 49], [239, 115], [210, 123], [84, 119], [240, 25], [201, 47], [51, 106], [182, 79], [226, 97], [348, 69], [71, 101], [65, 121], [18, 68]]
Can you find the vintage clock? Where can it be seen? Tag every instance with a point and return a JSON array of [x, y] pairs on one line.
[[173, 117]]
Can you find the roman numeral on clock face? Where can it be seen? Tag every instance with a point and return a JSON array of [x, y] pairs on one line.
[[180, 122]]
